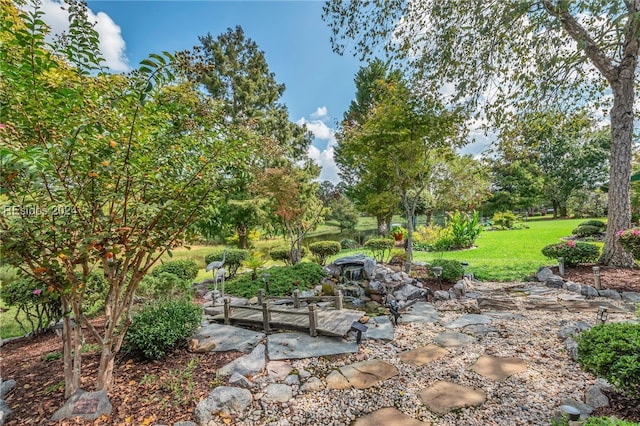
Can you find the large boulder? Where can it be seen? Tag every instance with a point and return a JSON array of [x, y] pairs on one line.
[[368, 264], [223, 399]]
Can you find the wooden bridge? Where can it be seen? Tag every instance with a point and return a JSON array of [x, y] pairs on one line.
[[334, 321]]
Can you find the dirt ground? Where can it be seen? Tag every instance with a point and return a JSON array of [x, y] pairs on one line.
[[167, 391]]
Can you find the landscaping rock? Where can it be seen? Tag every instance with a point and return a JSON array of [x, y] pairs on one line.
[[5, 412], [241, 381], [595, 398], [572, 348], [247, 364], [554, 281], [389, 416], [611, 294], [6, 387], [498, 368], [292, 379], [631, 296], [543, 273], [452, 339], [335, 380], [468, 319], [459, 288], [278, 392], [441, 295], [409, 292], [225, 399], [278, 370], [313, 384], [573, 287], [445, 396], [589, 291], [85, 405], [423, 355], [366, 374]]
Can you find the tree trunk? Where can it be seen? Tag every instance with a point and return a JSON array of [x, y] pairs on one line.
[[105, 371], [429, 215], [619, 216], [243, 236], [383, 225], [563, 210]]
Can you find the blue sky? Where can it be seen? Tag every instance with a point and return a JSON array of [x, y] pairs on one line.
[[319, 83]]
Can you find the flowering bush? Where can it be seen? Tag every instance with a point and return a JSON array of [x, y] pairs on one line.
[[630, 240], [572, 252]]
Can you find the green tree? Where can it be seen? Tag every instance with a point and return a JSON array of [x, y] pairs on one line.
[[514, 56], [100, 172], [343, 211], [234, 71]]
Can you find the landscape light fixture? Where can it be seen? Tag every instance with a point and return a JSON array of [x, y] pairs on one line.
[[464, 267], [561, 266], [265, 280], [596, 277], [437, 271]]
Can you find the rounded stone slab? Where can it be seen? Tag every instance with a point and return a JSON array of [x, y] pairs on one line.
[[389, 416], [453, 339], [423, 355], [468, 319], [366, 374], [498, 368], [446, 396]]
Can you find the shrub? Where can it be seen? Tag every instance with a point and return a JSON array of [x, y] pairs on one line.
[[162, 326], [451, 269], [607, 421], [282, 280], [594, 222], [184, 269], [38, 306], [398, 257], [380, 248], [425, 238], [164, 286], [572, 252], [612, 351], [283, 254], [464, 229], [505, 220], [630, 240], [348, 244], [324, 249], [232, 260], [586, 231]]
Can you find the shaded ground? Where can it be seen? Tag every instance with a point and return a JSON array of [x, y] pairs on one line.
[[167, 391]]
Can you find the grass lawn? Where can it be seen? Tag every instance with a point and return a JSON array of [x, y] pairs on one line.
[[510, 255]]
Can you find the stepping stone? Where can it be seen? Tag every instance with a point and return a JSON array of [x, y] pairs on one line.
[[252, 363], [591, 306], [571, 297], [453, 339], [498, 368], [366, 374], [480, 329], [389, 416], [420, 312], [543, 303], [445, 396], [497, 304], [301, 345], [468, 319], [379, 328], [503, 315], [423, 355]]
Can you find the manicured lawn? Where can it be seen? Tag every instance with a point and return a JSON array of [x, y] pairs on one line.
[[513, 254]]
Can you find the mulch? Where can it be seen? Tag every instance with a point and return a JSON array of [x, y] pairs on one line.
[[167, 391]]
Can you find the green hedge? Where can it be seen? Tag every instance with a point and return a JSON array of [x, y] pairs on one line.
[[162, 326], [283, 254], [184, 269], [572, 252], [586, 230], [380, 248], [164, 286], [324, 249], [282, 280], [233, 259], [32, 299], [612, 351], [594, 222]]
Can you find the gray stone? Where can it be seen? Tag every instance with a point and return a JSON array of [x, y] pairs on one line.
[[252, 363], [239, 380], [420, 312], [585, 410], [85, 405], [611, 294], [380, 328], [313, 384], [444, 397], [409, 292], [459, 288], [185, 424], [301, 345], [304, 374], [278, 392], [589, 291], [554, 281], [497, 304], [568, 331], [226, 399], [292, 379], [214, 310], [572, 348], [468, 319], [573, 287], [5, 412], [441, 295], [595, 398], [571, 297], [631, 296], [543, 273], [6, 387], [229, 338], [368, 264], [388, 416], [481, 330], [452, 339]]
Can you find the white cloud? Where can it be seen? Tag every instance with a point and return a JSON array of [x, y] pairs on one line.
[[323, 135], [112, 45], [319, 114]]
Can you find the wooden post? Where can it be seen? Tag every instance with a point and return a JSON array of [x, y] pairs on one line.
[[296, 298], [260, 296], [338, 299], [266, 317], [227, 310], [313, 320]]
